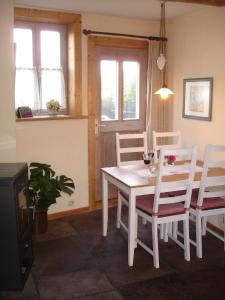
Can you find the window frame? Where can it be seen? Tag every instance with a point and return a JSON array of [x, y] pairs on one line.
[[119, 60], [74, 69], [36, 28]]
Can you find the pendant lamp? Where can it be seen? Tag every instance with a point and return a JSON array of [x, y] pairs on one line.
[[164, 91]]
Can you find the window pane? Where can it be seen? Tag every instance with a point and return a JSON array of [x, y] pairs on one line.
[[109, 90], [26, 92], [130, 90], [50, 49], [24, 49], [52, 87]]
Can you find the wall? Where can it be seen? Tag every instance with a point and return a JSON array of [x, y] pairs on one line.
[[64, 143], [7, 109], [197, 49]]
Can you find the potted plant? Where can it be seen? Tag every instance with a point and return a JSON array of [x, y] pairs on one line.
[[53, 106], [44, 188]]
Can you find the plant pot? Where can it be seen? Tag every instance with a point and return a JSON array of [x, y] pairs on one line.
[[53, 112], [40, 224]]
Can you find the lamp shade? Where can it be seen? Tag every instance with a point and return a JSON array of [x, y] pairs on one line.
[[164, 92]]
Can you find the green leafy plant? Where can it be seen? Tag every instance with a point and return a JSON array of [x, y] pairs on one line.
[[45, 187]]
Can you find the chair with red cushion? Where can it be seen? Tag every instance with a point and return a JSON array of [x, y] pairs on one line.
[[167, 140], [209, 199], [162, 209], [137, 145]]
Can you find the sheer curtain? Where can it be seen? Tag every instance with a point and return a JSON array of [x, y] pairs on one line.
[[158, 111], [26, 88]]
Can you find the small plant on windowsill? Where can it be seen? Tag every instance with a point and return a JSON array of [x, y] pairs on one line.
[[53, 107]]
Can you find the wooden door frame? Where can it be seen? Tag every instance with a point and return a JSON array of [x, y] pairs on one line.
[[94, 41]]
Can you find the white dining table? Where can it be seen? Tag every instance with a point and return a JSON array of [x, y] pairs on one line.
[[134, 180]]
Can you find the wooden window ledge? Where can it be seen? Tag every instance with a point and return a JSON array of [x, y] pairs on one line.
[[49, 118]]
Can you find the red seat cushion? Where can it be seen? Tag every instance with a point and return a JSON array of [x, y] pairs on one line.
[[149, 196], [208, 203], [126, 196], [146, 205]]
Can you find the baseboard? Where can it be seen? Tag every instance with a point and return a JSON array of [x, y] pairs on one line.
[[78, 211], [215, 228], [68, 213], [112, 203]]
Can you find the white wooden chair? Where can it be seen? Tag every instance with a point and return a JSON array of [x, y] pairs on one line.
[[120, 151], [141, 138], [161, 209], [174, 139], [159, 141], [208, 200]]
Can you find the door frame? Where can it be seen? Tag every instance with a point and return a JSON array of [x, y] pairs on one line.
[[93, 42]]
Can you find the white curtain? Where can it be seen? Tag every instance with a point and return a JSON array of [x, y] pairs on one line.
[[158, 111], [26, 88], [29, 93]]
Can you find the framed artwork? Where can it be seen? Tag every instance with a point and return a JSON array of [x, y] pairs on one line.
[[198, 98]]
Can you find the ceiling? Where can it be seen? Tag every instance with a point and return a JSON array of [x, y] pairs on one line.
[[144, 9]]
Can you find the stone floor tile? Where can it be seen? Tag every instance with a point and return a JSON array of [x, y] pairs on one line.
[[56, 229], [28, 293], [74, 284]]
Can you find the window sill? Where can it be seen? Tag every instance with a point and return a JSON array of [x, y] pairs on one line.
[[49, 118]]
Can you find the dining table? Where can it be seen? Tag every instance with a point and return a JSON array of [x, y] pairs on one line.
[[136, 180]]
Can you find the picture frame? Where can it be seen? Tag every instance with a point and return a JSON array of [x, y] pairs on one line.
[[197, 99]]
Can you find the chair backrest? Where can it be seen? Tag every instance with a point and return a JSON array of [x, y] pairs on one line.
[[167, 179], [140, 138], [159, 141], [211, 187]]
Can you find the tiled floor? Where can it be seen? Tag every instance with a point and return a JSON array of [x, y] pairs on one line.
[[74, 261]]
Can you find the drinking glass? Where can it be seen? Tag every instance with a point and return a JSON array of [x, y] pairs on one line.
[[148, 160]]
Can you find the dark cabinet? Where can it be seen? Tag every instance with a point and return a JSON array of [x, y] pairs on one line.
[[16, 252]]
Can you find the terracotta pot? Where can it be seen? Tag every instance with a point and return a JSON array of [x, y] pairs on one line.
[[40, 224]]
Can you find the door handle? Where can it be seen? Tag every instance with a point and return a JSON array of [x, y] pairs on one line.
[[97, 125]]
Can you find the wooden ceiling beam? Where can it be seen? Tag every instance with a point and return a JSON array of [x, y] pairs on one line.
[[203, 2]]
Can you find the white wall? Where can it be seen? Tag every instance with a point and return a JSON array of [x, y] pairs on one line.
[[7, 108], [197, 49], [63, 145]]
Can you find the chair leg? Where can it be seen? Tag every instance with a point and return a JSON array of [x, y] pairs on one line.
[[186, 239], [144, 221], [224, 231], [136, 230], [170, 229], [162, 227], [204, 221], [166, 229], [155, 244], [119, 209], [198, 236], [175, 229]]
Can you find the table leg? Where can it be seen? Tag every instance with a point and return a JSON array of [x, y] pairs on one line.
[[131, 228], [105, 205]]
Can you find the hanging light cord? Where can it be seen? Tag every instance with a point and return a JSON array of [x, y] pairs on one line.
[[162, 45]]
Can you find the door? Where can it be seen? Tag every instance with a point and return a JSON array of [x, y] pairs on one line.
[[120, 73]]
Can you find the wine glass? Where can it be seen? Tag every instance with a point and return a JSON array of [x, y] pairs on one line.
[[148, 160]]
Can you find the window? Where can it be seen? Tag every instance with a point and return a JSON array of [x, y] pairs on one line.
[[120, 90], [40, 65], [48, 59]]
